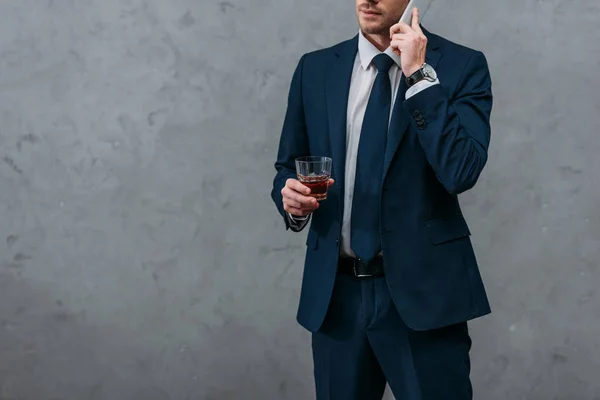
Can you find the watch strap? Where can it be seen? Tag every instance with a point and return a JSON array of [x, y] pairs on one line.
[[417, 76]]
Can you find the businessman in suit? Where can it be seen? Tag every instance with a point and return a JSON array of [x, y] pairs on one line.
[[390, 277]]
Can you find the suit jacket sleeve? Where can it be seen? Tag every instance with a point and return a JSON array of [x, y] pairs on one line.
[[292, 144], [455, 132]]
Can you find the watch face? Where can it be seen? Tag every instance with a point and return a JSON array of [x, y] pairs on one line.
[[429, 72]]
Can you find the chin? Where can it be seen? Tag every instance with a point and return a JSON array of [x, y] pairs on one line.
[[373, 29]]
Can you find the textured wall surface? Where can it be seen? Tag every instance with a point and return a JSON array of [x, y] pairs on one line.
[[141, 256]]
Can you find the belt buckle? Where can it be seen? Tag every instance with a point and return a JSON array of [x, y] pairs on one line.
[[356, 274]]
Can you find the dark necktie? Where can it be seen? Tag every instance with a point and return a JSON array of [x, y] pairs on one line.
[[365, 222]]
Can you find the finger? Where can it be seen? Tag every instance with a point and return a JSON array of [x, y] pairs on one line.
[[397, 44], [297, 186], [292, 203], [400, 36], [415, 19], [330, 183], [305, 201], [400, 27], [311, 206]]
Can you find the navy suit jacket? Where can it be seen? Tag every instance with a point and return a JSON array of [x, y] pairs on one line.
[[430, 266]]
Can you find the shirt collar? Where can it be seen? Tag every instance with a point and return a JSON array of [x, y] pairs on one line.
[[367, 52]]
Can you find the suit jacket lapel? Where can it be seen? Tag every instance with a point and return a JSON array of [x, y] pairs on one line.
[[339, 76], [400, 121]]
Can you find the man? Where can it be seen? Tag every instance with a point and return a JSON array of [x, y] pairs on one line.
[[390, 277]]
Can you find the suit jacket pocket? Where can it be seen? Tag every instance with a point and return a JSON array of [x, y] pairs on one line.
[[446, 229], [312, 240]]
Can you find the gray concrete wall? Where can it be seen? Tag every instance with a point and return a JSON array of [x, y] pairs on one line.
[[140, 254]]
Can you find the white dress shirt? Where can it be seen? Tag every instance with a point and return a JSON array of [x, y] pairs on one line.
[[363, 78]]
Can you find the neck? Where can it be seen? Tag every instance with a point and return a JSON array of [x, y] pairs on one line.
[[382, 42]]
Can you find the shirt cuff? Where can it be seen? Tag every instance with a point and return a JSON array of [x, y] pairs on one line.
[[419, 87], [295, 218], [297, 222]]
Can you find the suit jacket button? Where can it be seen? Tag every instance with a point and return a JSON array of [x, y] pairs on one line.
[[416, 113]]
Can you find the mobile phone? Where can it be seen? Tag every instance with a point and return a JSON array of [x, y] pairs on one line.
[[422, 5]]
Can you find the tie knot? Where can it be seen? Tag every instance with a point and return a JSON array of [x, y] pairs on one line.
[[383, 62]]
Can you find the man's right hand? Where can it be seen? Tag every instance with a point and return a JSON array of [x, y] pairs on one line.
[[296, 199]]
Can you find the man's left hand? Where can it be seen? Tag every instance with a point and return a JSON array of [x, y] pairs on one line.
[[410, 43]]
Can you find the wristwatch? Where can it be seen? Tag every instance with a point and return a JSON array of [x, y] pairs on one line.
[[425, 72]]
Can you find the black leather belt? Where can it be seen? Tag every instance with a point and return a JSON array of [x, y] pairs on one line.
[[359, 269]]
